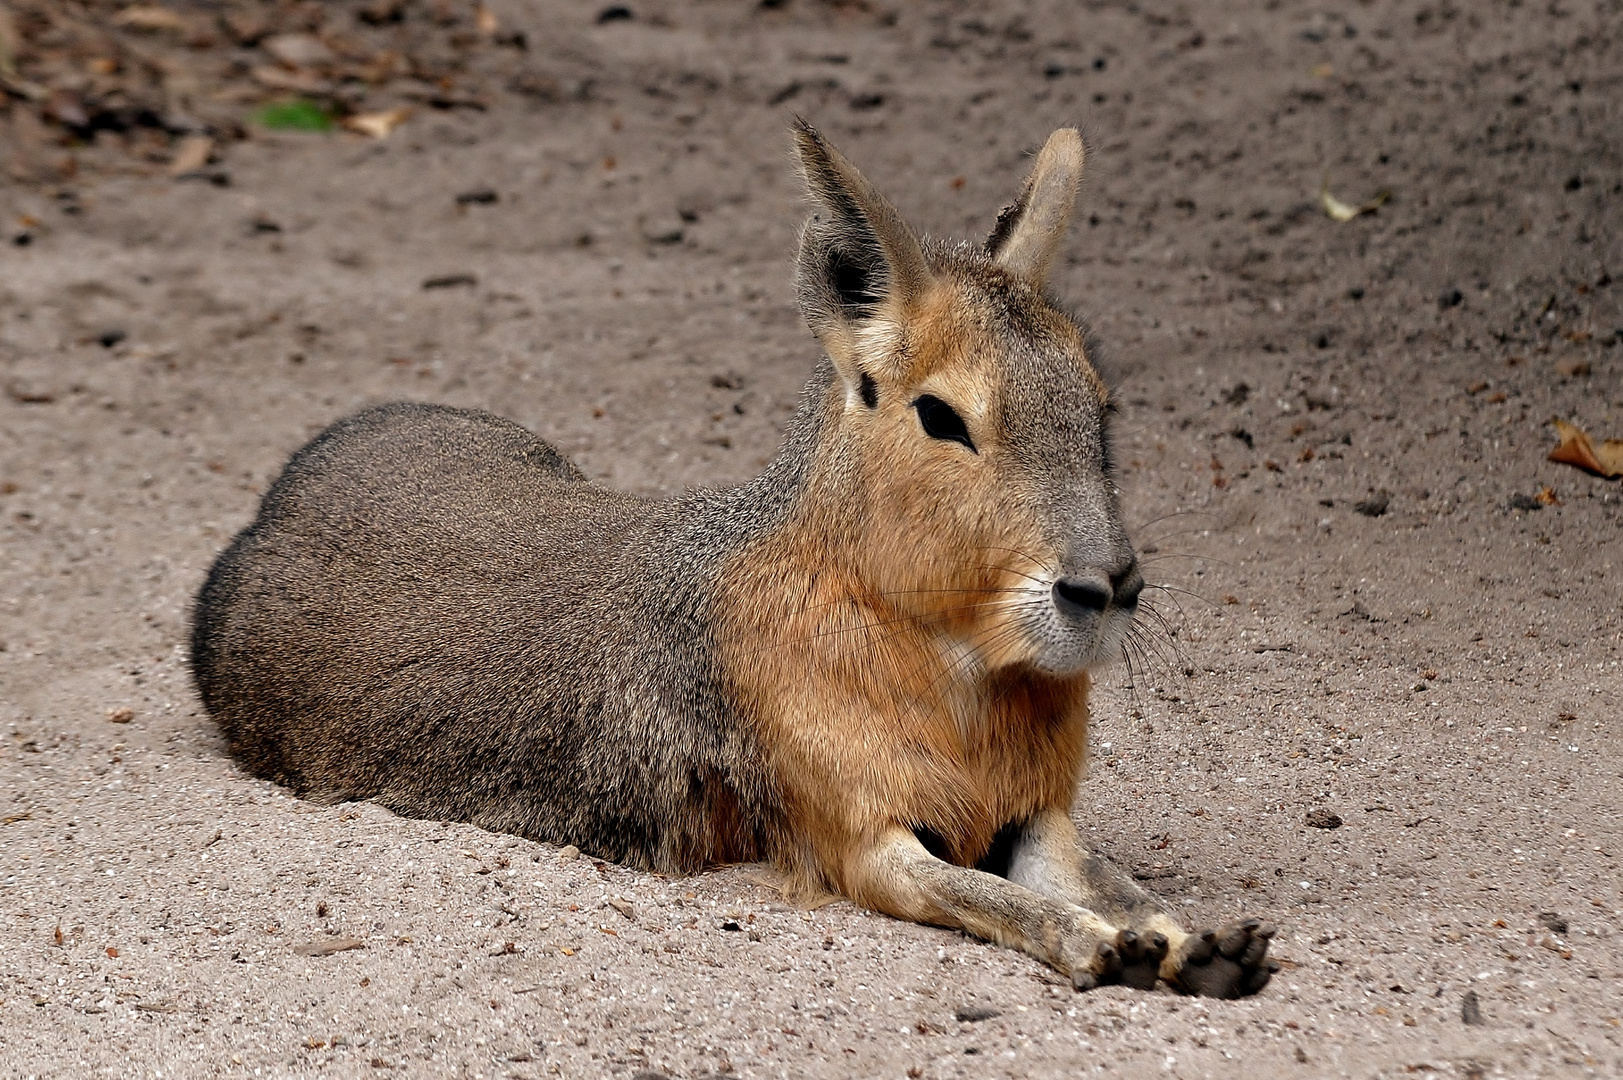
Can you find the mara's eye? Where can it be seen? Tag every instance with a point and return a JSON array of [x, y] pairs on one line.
[[941, 421]]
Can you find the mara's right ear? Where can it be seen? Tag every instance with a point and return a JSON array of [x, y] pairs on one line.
[[859, 265], [1028, 234]]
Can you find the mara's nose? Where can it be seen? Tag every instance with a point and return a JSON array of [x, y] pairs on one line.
[[1079, 595]]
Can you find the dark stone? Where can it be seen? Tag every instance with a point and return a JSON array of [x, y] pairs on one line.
[[1376, 505], [1471, 1009], [1320, 818], [450, 281], [974, 1014]]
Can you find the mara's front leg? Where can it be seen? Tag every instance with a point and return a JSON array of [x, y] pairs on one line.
[[896, 875], [1050, 858]]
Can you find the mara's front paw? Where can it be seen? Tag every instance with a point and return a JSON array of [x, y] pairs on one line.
[[1133, 959], [1229, 962]]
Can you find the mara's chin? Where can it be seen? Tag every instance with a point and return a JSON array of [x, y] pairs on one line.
[[1072, 650]]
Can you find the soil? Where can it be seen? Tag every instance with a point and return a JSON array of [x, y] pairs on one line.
[[1380, 695]]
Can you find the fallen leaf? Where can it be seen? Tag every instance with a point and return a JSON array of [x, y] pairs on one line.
[[149, 17], [191, 155], [295, 115], [1340, 211], [1578, 449], [378, 124], [328, 947], [298, 80], [298, 50]]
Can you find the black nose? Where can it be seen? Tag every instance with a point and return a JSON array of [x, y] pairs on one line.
[[1081, 594], [1128, 584], [1077, 596]]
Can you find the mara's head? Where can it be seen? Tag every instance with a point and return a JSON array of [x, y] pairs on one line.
[[965, 435]]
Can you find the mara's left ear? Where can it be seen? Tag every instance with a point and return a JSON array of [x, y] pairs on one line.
[[1027, 234]]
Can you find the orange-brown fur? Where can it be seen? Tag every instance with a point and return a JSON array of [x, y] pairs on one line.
[[850, 633]]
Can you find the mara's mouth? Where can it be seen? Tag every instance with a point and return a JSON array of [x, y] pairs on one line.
[[1068, 646], [1060, 626]]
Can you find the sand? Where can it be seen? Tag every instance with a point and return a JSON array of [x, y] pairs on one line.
[[1332, 443]]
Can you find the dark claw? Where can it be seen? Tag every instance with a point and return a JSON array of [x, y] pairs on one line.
[[1232, 940], [1230, 962], [1142, 958], [1254, 952]]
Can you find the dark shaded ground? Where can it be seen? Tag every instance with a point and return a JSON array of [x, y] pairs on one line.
[[1444, 675]]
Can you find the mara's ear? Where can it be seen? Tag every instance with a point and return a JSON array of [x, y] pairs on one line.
[[1027, 234], [858, 261]]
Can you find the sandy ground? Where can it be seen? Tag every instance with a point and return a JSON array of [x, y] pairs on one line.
[[1444, 676]]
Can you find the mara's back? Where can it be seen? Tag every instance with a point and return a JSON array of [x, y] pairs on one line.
[[434, 610]]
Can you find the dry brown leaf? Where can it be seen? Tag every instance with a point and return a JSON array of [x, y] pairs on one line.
[[300, 81], [328, 947], [378, 124], [1578, 449], [149, 17], [298, 50], [191, 155]]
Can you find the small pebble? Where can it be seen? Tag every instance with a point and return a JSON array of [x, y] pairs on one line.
[[974, 1014], [1376, 505], [1471, 1009], [1321, 818]]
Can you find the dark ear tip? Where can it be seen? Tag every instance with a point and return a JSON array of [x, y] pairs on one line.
[[807, 138]]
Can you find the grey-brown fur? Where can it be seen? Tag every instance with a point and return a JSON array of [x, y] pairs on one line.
[[435, 611]]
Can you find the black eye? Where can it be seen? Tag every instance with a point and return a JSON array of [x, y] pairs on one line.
[[941, 421]]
